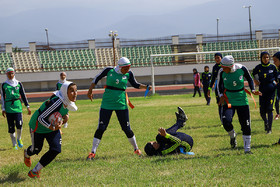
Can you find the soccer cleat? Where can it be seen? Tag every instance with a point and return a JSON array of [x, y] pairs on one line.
[[248, 152], [20, 143], [181, 117], [277, 117], [268, 132], [33, 174], [138, 152], [233, 142], [27, 161], [91, 156], [15, 147]]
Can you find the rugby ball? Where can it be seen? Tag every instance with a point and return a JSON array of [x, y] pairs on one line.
[[54, 118]]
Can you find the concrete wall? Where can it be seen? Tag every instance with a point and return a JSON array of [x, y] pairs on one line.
[[164, 75]]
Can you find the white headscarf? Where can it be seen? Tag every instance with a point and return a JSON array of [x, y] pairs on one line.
[[121, 63], [13, 82], [62, 94], [61, 81]]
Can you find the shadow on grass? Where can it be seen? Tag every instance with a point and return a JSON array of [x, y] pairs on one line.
[[201, 127], [241, 147], [3, 149], [12, 178], [215, 135]]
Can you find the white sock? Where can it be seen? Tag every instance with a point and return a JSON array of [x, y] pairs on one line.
[[232, 133], [19, 131], [133, 142], [95, 144], [38, 167], [247, 142], [13, 137], [65, 125]]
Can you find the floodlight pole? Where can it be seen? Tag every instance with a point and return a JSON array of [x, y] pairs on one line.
[[218, 29], [113, 35], [250, 20], [47, 35]]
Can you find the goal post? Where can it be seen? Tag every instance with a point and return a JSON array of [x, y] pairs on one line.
[[200, 54]]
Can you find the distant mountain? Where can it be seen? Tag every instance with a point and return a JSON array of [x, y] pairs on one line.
[[76, 23]]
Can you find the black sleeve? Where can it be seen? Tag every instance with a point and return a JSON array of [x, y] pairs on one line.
[[275, 73], [56, 86], [3, 96], [213, 78], [220, 83], [52, 107], [248, 78], [132, 80], [255, 71], [101, 75], [22, 94]]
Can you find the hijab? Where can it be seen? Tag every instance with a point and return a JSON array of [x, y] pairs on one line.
[[61, 81], [262, 54], [122, 63], [12, 82], [62, 94]]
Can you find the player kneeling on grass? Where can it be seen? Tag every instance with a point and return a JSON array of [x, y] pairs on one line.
[[170, 141], [233, 98], [45, 124]]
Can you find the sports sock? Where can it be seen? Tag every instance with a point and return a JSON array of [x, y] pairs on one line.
[[19, 131], [247, 142], [95, 144], [13, 137], [133, 142], [232, 133], [38, 167]]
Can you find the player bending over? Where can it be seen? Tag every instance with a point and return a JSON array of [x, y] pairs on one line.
[[170, 141], [45, 124]]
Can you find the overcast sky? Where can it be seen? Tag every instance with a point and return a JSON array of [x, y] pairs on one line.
[[23, 21]]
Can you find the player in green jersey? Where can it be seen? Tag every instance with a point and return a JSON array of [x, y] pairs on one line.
[[45, 124], [115, 99], [12, 90], [233, 98]]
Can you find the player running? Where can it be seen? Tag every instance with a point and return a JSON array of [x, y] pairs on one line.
[[170, 141], [265, 76], [115, 99], [11, 92], [233, 98], [41, 126]]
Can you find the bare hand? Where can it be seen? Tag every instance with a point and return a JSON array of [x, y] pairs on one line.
[[4, 114], [55, 126], [222, 100], [162, 131], [90, 95], [257, 93], [65, 118], [257, 83], [208, 93], [28, 111]]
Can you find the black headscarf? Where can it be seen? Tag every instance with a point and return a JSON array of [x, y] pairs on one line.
[[264, 53], [277, 55], [150, 150], [219, 54]]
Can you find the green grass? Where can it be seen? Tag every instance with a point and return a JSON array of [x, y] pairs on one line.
[[214, 163]]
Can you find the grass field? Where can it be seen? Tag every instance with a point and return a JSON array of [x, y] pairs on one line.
[[214, 162]]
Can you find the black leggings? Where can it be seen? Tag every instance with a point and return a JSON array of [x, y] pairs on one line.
[[196, 89], [243, 113], [104, 119], [14, 120]]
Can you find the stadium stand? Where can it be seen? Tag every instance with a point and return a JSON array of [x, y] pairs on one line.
[[233, 45], [67, 60], [26, 62], [140, 56], [5, 62], [105, 56]]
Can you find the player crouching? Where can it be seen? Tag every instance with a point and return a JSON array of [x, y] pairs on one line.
[[45, 124], [170, 141]]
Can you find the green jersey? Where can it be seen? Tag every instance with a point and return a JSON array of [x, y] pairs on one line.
[[233, 84], [58, 85], [39, 121], [11, 102], [114, 97]]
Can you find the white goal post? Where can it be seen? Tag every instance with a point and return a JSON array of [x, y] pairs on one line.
[[199, 53]]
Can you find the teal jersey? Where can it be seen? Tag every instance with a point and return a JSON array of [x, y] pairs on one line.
[[114, 97], [233, 85], [11, 102], [58, 85], [39, 120]]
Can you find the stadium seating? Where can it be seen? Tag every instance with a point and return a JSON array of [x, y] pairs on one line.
[[105, 56], [26, 62], [140, 56], [67, 60], [5, 62], [235, 45]]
